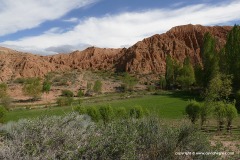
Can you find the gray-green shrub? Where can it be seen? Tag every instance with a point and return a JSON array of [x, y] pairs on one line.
[[74, 136]]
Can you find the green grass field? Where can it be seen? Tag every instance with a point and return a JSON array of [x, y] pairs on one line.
[[165, 106]]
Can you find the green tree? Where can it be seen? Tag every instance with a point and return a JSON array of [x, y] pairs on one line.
[[162, 82], [32, 87], [187, 76], [193, 111], [97, 86], [198, 71], [220, 113], [169, 74], [231, 113], [220, 87], [232, 56], [210, 59]]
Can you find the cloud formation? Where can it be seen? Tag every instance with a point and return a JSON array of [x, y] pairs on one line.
[[127, 28], [26, 14]]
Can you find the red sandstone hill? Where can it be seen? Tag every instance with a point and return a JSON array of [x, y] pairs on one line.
[[145, 57]]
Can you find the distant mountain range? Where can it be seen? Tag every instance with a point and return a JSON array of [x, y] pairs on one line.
[[146, 57]]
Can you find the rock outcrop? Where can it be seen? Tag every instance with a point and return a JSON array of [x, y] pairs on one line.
[[148, 56], [145, 57]]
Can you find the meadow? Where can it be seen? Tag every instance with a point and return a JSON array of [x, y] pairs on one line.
[[167, 105]]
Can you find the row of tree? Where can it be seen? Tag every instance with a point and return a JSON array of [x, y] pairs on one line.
[[218, 76]]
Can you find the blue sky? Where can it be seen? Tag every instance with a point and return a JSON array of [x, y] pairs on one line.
[[53, 26]]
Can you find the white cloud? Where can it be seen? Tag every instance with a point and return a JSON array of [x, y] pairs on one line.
[[127, 28], [18, 15], [72, 20]]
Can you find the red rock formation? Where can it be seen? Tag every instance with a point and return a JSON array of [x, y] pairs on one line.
[[148, 56], [145, 57]]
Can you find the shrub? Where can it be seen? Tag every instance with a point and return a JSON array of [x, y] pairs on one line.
[[220, 113], [32, 87], [121, 113], [75, 137], [80, 93], [93, 113], [193, 111], [67, 93], [80, 109], [19, 80], [64, 101], [3, 112], [106, 113], [231, 113], [136, 112], [6, 102]]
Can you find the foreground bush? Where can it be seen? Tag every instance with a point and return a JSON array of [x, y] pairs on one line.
[[75, 137]]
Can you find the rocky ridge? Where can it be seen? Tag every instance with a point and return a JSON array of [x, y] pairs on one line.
[[145, 57]]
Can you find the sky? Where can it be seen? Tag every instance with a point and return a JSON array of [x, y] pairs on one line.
[[48, 27]]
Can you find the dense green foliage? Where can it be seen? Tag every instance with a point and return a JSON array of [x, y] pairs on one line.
[[219, 88], [136, 112], [186, 76], [231, 113], [231, 56], [32, 87], [93, 112], [193, 111], [210, 59], [106, 113], [77, 137], [220, 113]]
